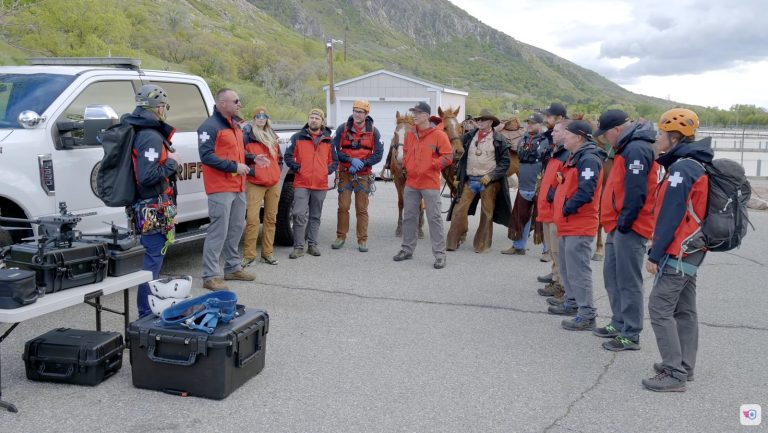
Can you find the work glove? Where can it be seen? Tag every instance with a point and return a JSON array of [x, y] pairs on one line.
[[356, 164], [476, 186], [352, 169], [485, 180]]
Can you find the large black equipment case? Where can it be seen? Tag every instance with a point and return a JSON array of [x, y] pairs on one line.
[[74, 356], [62, 268], [125, 262], [17, 288], [182, 361]]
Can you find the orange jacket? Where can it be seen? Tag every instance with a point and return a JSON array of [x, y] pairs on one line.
[[265, 176], [220, 144], [544, 208], [576, 199], [312, 159], [426, 153]]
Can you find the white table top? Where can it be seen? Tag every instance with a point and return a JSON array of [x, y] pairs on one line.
[[66, 298]]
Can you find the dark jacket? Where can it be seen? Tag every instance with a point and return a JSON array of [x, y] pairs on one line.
[[365, 145], [532, 151], [685, 182], [311, 159], [503, 202], [628, 197], [154, 171]]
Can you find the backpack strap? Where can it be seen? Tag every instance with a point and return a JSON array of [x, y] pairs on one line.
[[690, 203]]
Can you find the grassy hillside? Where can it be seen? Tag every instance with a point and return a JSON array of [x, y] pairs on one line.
[[273, 51]]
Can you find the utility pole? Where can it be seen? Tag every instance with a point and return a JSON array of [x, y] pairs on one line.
[[329, 51]]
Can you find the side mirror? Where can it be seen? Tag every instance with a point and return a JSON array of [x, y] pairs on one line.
[[29, 119], [97, 118]]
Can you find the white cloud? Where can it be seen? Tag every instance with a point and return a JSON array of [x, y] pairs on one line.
[[705, 52]]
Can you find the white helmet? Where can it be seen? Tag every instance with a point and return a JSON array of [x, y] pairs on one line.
[[157, 304], [173, 287]]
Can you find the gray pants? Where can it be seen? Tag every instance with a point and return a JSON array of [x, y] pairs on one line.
[[623, 275], [411, 209], [576, 273], [672, 307], [307, 206], [226, 211]]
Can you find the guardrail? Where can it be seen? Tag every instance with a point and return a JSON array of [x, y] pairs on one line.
[[747, 146]]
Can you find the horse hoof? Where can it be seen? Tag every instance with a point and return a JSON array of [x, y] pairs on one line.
[[597, 257]]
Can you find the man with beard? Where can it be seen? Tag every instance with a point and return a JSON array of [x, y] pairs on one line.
[[313, 158]]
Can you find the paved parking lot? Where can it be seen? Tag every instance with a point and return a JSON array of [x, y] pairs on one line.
[[359, 343]]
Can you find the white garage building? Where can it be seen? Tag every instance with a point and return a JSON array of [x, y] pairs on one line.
[[388, 93]]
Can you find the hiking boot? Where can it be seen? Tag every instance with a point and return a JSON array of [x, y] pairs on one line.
[[664, 382], [439, 263], [312, 250], [545, 257], [240, 275], [658, 368], [578, 323], [215, 285], [620, 343], [545, 278], [362, 247], [556, 300], [296, 253], [402, 255], [562, 310], [247, 262], [514, 251], [607, 331], [552, 289], [338, 243], [270, 260]]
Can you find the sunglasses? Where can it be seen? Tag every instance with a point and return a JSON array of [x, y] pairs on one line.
[[358, 111], [261, 116], [236, 101]]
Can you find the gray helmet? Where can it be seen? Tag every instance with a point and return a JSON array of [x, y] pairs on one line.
[[150, 95]]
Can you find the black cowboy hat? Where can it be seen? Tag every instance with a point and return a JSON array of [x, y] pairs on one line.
[[485, 114]]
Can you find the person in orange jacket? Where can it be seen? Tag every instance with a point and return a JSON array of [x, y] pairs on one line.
[[576, 215], [263, 187], [313, 158], [427, 150]]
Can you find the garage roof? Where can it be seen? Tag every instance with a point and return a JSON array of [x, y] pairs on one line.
[[402, 77]]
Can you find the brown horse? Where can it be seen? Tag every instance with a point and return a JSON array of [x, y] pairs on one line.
[[394, 164], [452, 127]]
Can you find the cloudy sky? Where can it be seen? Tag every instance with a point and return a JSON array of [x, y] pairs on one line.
[[704, 52]]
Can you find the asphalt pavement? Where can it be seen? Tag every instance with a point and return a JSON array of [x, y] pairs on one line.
[[359, 343]]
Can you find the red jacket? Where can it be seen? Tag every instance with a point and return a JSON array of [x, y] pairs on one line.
[[220, 144], [544, 207], [265, 176], [576, 199], [426, 153], [364, 145], [627, 201], [311, 158]]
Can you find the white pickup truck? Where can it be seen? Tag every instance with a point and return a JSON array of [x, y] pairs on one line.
[[51, 113]]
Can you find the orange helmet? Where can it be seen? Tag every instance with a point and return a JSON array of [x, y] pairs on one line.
[[681, 120], [363, 105]]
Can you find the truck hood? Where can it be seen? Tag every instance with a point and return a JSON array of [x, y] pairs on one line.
[[4, 133]]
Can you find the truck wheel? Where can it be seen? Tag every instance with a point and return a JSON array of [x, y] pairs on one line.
[[284, 224], [5, 238]]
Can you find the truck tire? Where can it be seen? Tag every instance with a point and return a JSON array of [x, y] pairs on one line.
[[284, 224]]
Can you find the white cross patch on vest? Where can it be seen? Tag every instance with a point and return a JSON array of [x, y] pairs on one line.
[[636, 167], [587, 173], [675, 179], [151, 155], [204, 137]]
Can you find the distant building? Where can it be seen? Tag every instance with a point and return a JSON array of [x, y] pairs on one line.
[[388, 93]]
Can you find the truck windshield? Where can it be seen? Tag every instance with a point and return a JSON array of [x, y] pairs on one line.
[[19, 92]]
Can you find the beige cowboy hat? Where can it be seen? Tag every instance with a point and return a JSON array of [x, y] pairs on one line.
[[485, 114]]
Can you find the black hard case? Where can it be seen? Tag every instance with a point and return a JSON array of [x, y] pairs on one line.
[[125, 262], [74, 356], [187, 362], [17, 288], [62, 268]]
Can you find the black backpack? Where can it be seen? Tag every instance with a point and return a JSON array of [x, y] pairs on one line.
[[725, 223], [116, 180]]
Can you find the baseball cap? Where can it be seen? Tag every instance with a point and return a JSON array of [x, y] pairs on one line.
[[580, 127], [535, 118], [556, 109], [610, 119], [422, 107]]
